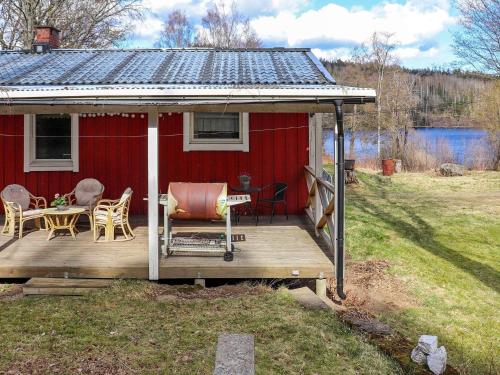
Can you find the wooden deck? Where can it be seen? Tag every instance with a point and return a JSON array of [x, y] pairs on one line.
[[270, 251]]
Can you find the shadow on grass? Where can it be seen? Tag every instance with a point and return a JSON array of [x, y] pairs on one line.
[[417, 230]]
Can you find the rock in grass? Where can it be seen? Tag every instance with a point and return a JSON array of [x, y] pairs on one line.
[[418, 356], [437, 361], [428, 344], [450, 169]]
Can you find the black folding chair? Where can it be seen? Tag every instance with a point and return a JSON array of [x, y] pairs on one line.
[[278, 197]]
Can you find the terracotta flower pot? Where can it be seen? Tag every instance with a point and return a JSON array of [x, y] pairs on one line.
[[388, 167]]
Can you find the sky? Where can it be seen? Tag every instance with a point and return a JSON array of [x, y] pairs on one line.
[[422, 28]]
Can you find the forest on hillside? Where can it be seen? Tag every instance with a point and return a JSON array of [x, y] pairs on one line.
[[434, 97], [415, 98]]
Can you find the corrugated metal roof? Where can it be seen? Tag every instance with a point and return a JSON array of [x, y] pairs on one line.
[[258, 67]]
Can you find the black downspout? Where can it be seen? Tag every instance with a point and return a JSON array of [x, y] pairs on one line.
[[339, 199]]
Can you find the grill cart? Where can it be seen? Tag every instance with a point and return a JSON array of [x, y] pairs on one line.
[[199, 201]]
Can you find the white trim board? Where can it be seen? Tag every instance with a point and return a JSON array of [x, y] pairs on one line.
[[153, 201], [215, 145], [33, 165]]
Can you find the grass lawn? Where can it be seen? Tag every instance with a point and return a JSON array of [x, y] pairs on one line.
[[127, 330], [441, 237]]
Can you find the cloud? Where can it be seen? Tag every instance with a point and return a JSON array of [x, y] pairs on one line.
[[333, 53], [195, 9], [331, 30], [336, 27], [148, 28], [157, 12], [412, 52]]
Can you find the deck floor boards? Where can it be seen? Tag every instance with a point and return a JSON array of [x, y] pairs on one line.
[[270, 251]]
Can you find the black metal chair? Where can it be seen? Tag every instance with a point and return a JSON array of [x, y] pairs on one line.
[[278, 197]]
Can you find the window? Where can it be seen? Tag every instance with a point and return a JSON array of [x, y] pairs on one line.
[[51, 142], [216, 131]]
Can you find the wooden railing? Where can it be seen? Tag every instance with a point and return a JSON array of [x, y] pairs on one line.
[[320, 206]]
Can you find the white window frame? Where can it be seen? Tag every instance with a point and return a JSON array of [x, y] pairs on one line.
[[31, 164], [214, 144]]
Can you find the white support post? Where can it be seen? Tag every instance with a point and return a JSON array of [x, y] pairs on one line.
[[316, 159], [153, 239], [166, 231], [318, 165], [228, 229]]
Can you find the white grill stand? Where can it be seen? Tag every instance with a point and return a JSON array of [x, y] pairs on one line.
[[199, 247]]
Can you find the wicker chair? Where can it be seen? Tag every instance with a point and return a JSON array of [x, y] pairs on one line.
[[85, 195], [21, 206], [111, 214]]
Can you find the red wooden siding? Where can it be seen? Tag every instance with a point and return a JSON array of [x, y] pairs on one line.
[[278, 153], [113, 149]]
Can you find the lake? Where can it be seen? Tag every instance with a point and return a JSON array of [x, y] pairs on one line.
[[463, 143]]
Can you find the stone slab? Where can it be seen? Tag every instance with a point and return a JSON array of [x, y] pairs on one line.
[[307, 298], [235, 354]]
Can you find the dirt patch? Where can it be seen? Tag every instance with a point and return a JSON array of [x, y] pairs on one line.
[[370, 288], [12, 293], [365, 322], [190, 292]]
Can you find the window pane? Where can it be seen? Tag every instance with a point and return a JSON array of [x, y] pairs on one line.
[[53, 137], [216, 125]]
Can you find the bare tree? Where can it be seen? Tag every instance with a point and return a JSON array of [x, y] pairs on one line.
[[487, 111], [379, 54], [225, 27], [84, 23], [478, 42], [400, 105], [178, 32]]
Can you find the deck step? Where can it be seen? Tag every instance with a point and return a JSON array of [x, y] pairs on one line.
[[63, 287]]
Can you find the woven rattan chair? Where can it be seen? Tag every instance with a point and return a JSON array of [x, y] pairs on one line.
[[21, 206], [111, 214], [85, 195]]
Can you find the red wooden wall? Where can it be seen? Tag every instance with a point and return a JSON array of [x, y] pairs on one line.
[[113, 149]]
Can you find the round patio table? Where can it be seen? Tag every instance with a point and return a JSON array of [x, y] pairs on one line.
[[62, 220]]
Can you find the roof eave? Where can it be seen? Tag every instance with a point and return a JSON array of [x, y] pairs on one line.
[[186, 93]]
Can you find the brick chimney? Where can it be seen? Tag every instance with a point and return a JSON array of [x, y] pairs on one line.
[[47, 38]]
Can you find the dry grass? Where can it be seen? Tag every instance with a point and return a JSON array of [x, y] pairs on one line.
[[134, 328]]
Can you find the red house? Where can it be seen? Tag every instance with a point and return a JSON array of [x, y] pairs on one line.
[[147, 117]]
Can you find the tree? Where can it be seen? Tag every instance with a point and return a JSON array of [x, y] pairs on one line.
[[361, 117], [83, 23], [487, 111], [225, 27], [379, 55], [478, 42], [400, 104], [178, 32]]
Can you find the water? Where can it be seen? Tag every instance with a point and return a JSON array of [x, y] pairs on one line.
[[462, 142]]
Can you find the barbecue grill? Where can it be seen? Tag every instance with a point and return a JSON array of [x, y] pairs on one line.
[[199, 201]]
